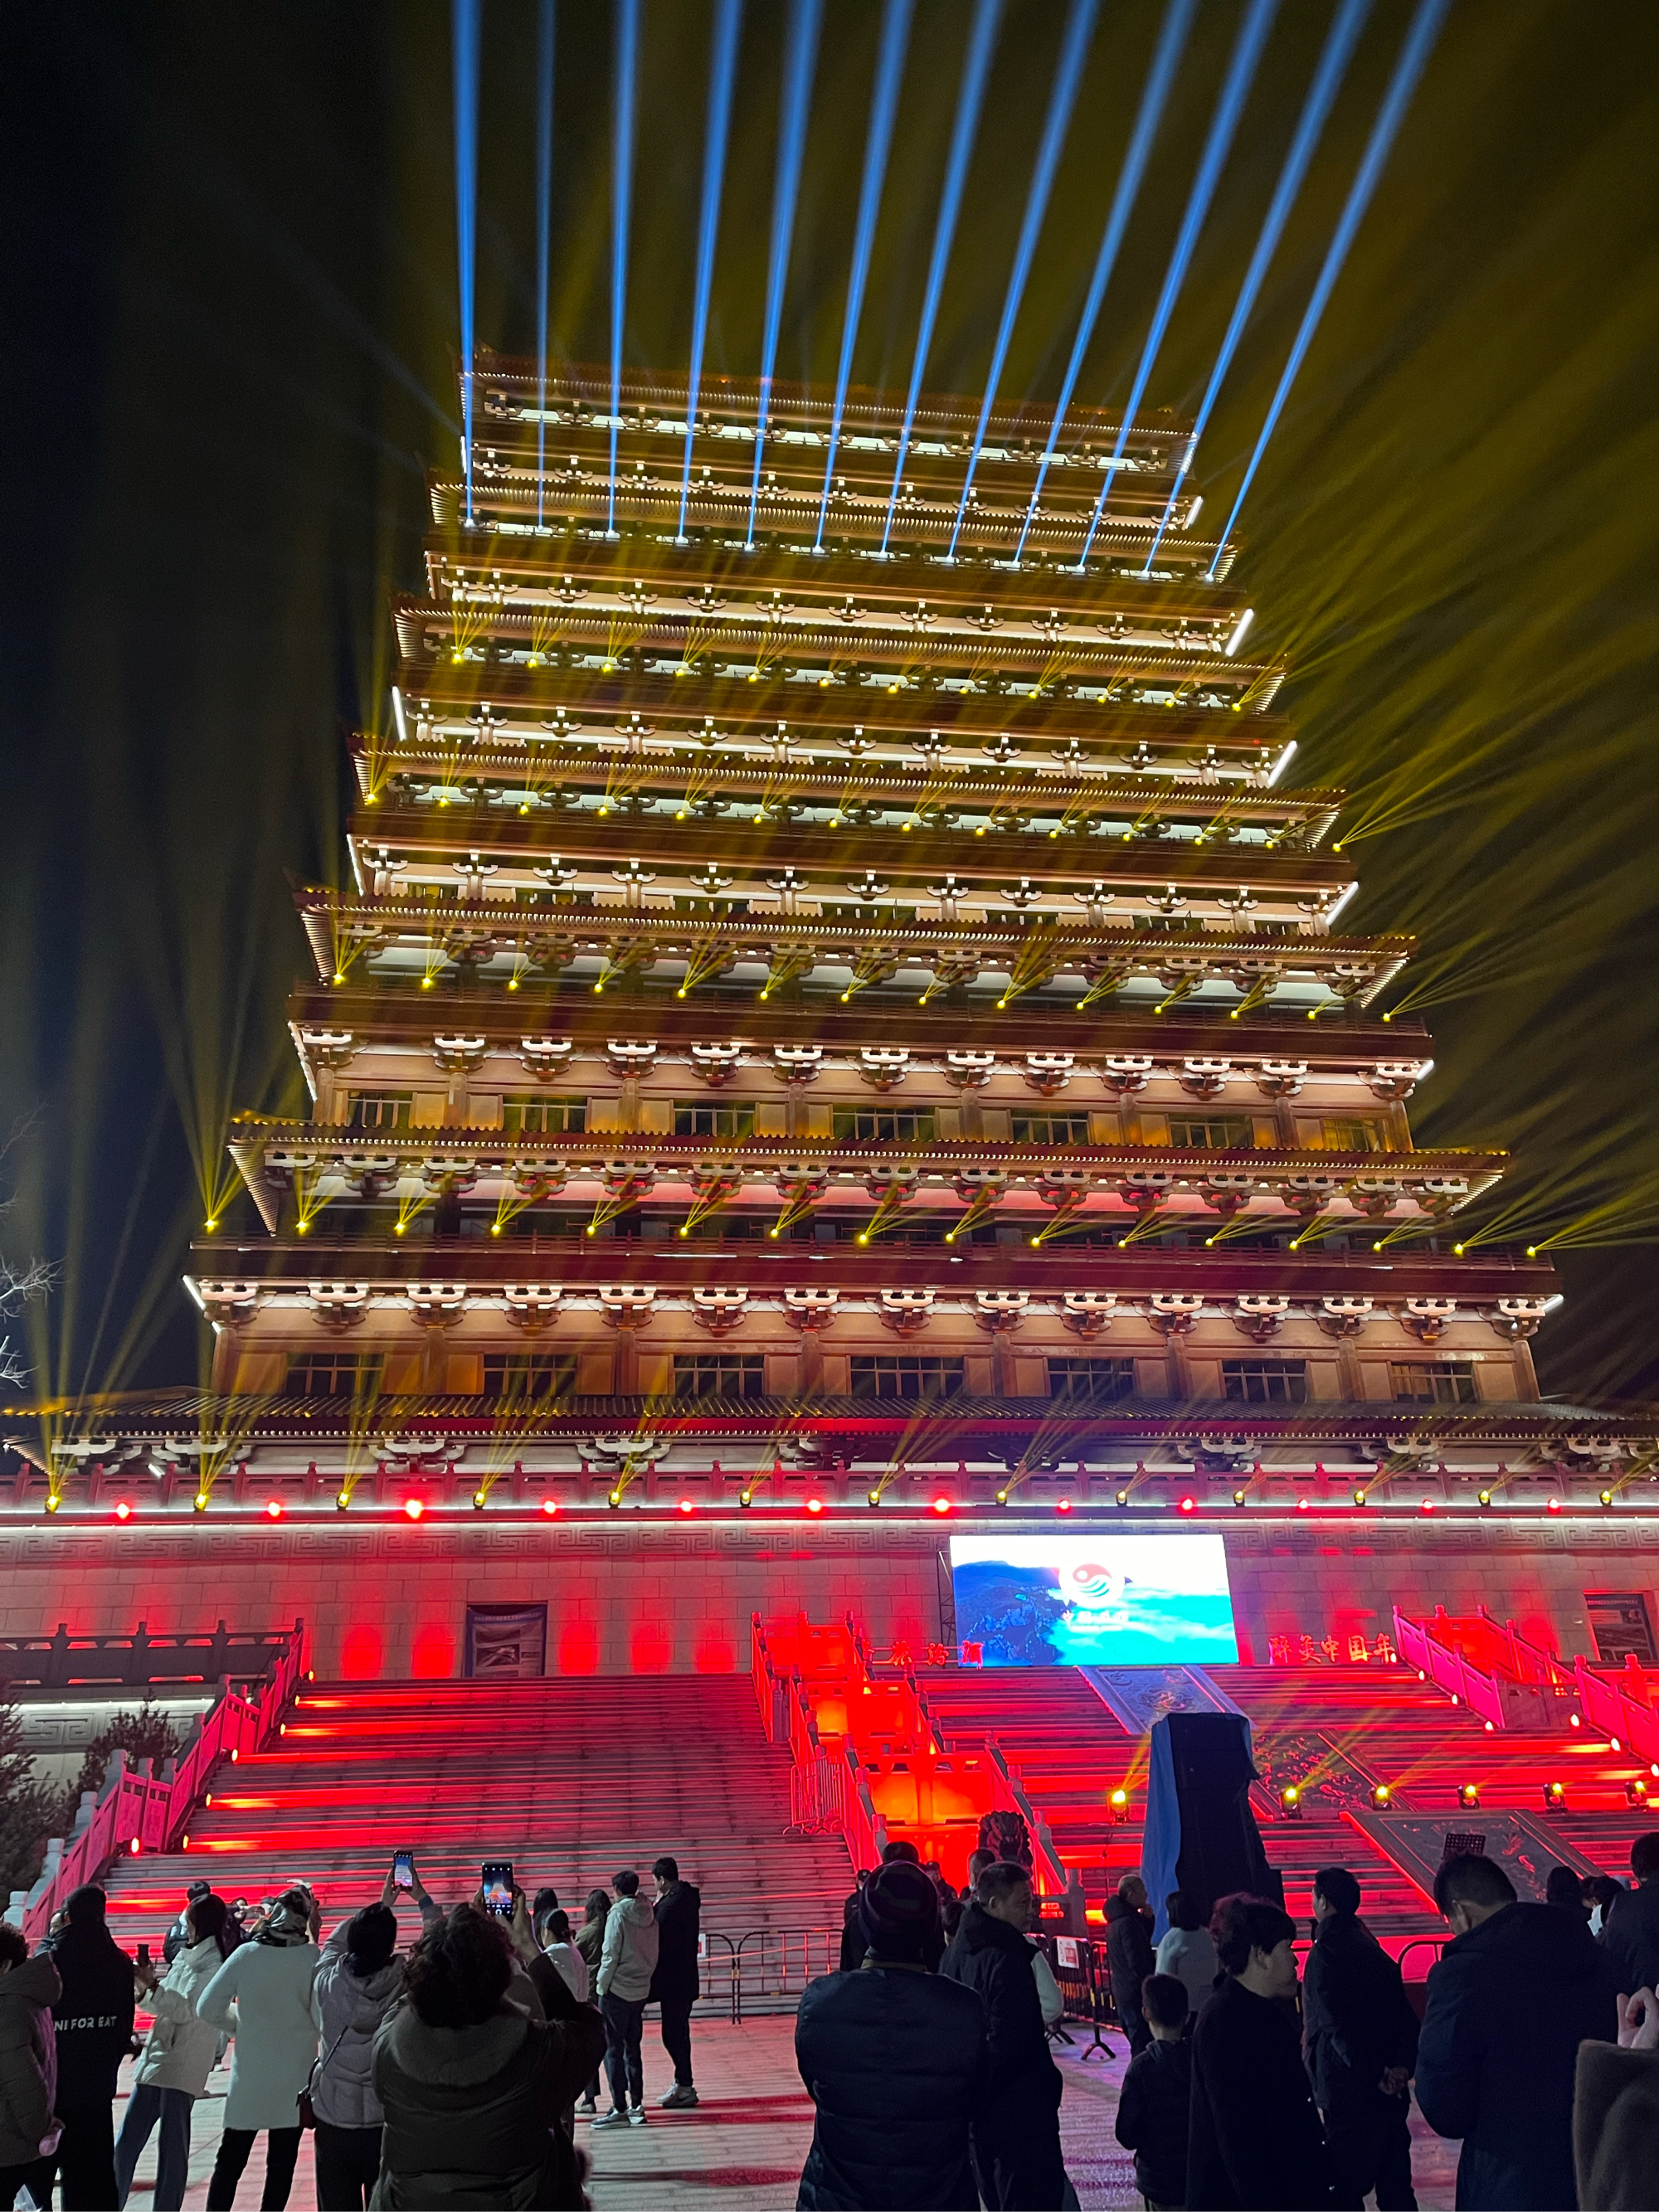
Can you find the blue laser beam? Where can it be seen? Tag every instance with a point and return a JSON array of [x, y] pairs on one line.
[[1340, 43], [878, 139], [621, 190], [546, 44], [722, 75], [1154, 97], [982, 41], [465, 23], [800, 53], [1413, 57], [1079, 30], [1241, 72]]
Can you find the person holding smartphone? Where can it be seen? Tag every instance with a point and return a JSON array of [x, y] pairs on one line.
[[178, 2056], [360, 1979]]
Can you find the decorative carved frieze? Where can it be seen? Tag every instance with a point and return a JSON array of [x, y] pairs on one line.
[[1127, 1072], [1172, 1313], [1259, 1316], [338, 1305], [1345, 1315], [719, 1311], [1088, 1313], [544, 1057], [1426, 1318], [460, 1055], [884, 1067], [716, 1063], [1049, 1072], [532, 1306], [969, 1071]]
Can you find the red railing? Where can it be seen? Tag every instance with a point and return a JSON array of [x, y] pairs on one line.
[[1610, 1707], [1445, 1664], [136, 1811]]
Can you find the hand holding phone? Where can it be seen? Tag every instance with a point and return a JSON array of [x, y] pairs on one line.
[[497, 1887], [403, 1870]]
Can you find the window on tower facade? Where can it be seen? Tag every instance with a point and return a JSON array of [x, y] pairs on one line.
[[861, 1125], [334, 1374], [720, 1374], [1050, 1129], [899, 1374], [1100, 1381], [379, 1110], [1265, 1382], [728, 1122], [1211, 1132], [527, 1377], [530, 1113], [1432, 1381], [1355, 1133]]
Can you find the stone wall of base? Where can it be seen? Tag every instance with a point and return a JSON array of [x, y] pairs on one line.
[[391, 1601]]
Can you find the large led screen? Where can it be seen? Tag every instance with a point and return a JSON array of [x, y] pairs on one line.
[[1105, 1601]]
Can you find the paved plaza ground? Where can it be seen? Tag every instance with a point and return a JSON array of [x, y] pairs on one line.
[[745, 2142]]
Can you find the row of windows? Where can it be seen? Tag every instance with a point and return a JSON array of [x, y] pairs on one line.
[[531, 1378], [533, 1114]]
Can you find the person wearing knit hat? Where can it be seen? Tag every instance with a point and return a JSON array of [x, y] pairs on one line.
[[894, 2059]]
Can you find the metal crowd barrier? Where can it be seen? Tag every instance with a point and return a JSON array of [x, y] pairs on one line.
[[1085, 1987], [766, 1969]]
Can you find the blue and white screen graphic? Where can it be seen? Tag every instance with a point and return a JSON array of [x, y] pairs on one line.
[[1104, 1601]]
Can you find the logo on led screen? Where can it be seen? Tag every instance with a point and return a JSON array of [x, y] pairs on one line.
[[1104, 1601]]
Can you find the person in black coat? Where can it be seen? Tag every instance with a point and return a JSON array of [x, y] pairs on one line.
[[1361, 2036], [1630, 1931], [93, 2025], [894, 2058], [1514, 1994], [1016, 2125], [675, 1984], [899, 1851], [1130, 1955], [1255, 2138], [1153, 2106]]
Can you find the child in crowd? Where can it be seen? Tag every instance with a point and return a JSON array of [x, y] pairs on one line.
[[1151, 2111]]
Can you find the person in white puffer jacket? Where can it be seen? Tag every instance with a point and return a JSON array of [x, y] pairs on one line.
[[178, 2057], [263, 1994], [622, 1986]]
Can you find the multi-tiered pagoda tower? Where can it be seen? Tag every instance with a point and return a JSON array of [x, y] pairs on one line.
[[807, 1017]]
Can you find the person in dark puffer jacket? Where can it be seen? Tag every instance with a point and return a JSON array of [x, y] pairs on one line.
[[894, 2058], [1514, 1996], [1152, 2107], [93, 2023], [1016, 2125], [471, 2086], [1129, 1953]]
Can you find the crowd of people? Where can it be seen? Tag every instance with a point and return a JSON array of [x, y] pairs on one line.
[[447, 2074], [1537, 2049], [453, 2073]]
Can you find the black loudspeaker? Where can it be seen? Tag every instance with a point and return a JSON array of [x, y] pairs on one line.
[[1201, 1836]]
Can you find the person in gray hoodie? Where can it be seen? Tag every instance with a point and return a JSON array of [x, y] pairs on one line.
[[622, 1986], [359, 1979], [28, 2065]]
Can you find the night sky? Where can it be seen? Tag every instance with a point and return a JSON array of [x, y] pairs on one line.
[[230, 361]]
